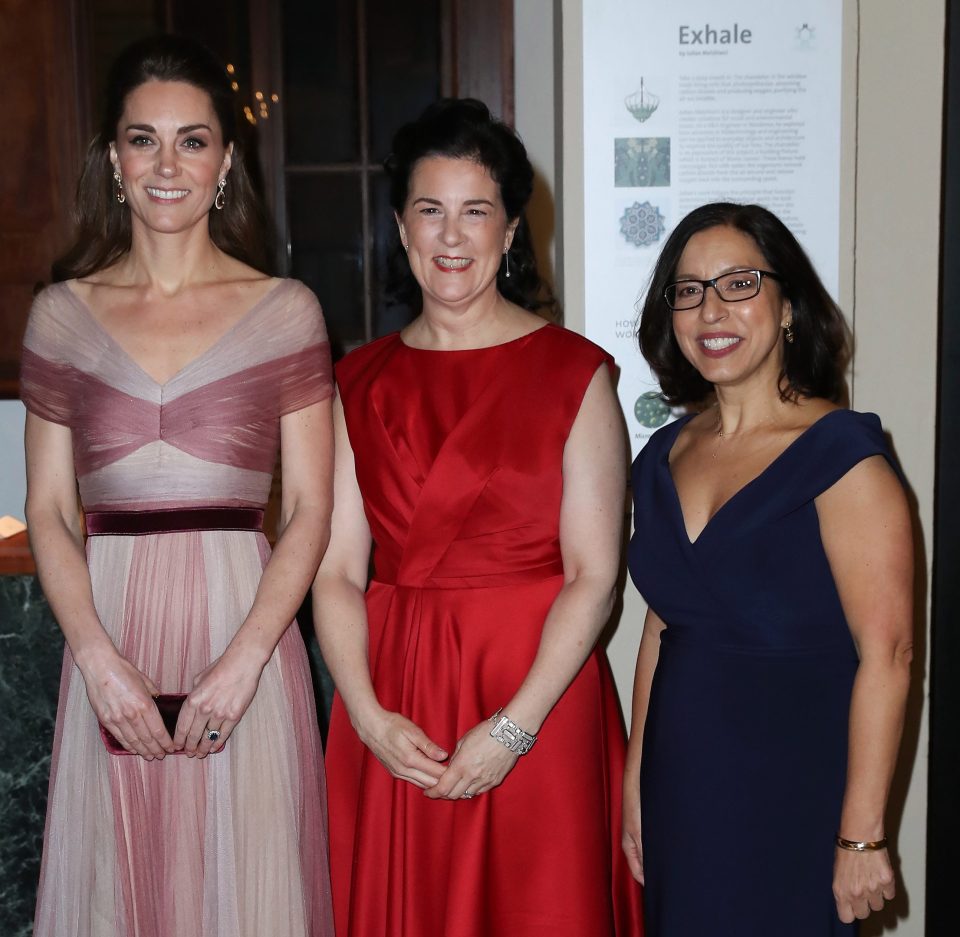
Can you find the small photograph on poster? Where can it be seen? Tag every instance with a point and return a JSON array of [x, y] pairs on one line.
[[642, 104], [651, 411], [641, 162], [642, 224]]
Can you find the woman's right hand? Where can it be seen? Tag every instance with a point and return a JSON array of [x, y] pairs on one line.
[[122, 699], [403, 748], [631, 843]]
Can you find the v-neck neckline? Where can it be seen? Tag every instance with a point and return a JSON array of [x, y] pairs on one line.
[[741, 490], [209, 350]]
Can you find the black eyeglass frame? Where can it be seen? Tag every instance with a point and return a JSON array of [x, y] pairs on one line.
[[705, 283]]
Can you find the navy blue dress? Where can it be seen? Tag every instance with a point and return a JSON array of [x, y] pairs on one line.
[[745, 744]]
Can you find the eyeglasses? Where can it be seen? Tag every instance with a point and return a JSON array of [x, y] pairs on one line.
[[731, 288]]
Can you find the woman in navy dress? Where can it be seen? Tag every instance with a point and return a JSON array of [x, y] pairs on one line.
[[773, 547]]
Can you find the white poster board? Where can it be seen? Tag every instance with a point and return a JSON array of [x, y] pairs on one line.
[[695, 101]]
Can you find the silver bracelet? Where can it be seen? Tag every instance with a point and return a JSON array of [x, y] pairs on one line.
[[510, 735]]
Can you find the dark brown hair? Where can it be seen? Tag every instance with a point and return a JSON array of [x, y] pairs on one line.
[[813, 364], [103, 225], [463, 128]]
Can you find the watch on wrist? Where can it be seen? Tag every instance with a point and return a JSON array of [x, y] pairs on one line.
[[510, 735]]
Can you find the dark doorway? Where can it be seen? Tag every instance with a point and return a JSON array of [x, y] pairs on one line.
[[943, 825]]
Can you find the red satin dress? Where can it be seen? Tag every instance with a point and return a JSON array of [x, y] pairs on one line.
[[459, 460]]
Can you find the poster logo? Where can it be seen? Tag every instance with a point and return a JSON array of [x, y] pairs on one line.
[[805, 35]]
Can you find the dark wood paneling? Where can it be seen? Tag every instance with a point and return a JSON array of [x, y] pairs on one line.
[[38, 74], [478, 53]]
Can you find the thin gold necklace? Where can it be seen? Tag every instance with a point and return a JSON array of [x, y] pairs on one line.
[[722, 435]]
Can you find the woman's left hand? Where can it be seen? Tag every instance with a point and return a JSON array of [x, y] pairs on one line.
[[219, 698], [479, 763], [862, 882]]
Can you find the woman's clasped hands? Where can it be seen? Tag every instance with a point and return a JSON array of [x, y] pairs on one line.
[[220, 696], [122, 697], [478, 763]]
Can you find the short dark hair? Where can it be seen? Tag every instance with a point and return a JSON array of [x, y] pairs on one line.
[[813, 364], [463, 128], [103, 226]]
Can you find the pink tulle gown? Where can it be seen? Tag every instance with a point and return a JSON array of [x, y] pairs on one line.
[[233, 845]]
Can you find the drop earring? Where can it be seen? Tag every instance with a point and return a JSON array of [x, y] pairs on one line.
[[788, 333], [506, 257], [118, 190], [220, 200]]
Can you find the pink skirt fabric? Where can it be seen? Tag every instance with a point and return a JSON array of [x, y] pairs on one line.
[[230, 846]]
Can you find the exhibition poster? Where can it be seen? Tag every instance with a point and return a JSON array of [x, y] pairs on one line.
[[693, 102]]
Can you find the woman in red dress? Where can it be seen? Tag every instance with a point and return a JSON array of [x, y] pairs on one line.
[[480, 453]]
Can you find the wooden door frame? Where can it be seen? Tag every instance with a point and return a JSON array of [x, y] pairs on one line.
[[478, 53]]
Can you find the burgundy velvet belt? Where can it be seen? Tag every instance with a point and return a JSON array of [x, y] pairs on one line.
[[173, 520]]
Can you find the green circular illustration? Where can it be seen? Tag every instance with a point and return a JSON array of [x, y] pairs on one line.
[[650, 410]]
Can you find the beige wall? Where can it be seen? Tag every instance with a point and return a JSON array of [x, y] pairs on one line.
[[893, 82]]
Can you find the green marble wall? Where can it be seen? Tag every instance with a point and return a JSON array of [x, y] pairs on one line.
[[31, 652]]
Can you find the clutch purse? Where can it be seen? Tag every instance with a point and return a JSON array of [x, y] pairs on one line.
[[169, 705]]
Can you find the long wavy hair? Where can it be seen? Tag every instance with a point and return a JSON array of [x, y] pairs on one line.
[[813, 364], [103, 227], [463, 128]]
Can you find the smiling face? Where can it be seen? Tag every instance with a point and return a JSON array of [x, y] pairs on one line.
[[169, 150], [731, 343], [455, 230]]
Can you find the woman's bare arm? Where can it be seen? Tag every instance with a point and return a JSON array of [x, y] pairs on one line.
[[121, 696], [591, 522], [866, 531], [340, 617]]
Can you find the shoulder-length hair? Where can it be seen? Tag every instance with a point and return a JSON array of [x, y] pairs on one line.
[[813, 364], [103, 225], [463, 128]]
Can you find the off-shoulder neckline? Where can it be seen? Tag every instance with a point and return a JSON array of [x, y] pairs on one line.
[[202, 356]]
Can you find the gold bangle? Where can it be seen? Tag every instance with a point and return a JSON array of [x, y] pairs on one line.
[[861, 846]]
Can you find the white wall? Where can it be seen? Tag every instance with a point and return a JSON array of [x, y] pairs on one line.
[[897, 226], [890, 217], [13, 487]]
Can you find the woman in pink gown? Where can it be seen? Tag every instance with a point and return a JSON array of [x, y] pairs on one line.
[[162, 376]]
